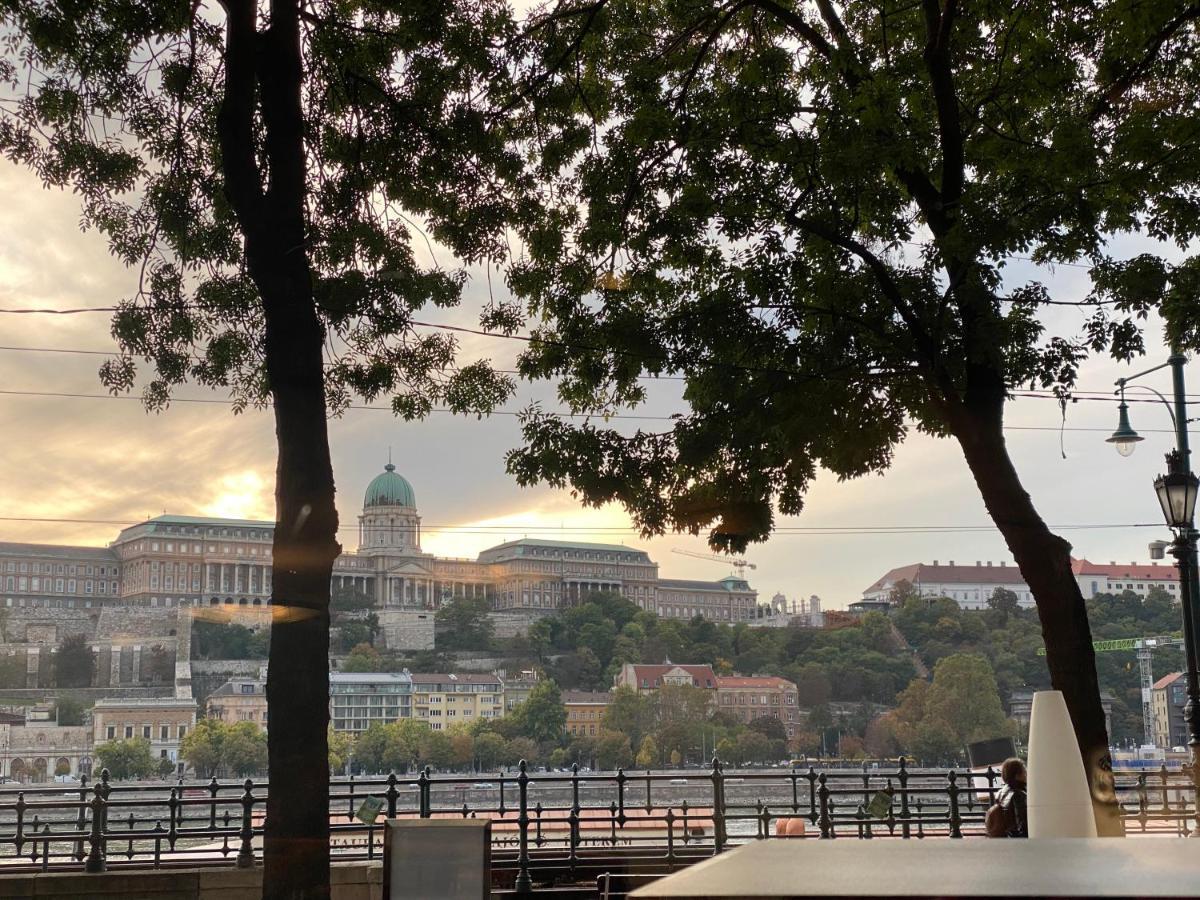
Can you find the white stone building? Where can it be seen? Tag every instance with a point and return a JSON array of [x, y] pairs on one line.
[[970, 586]]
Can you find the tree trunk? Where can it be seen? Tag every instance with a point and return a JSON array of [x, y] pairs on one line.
[[1044, 559], [296, 844], [264, 70]]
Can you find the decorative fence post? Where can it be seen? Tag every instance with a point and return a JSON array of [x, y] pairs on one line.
[[670, 839], [81, 822], [811, 776], [718, 782], [391, 795], [245, 857], [95, 859], [173, 815], [213, 789], [621, 779], [524, 884], [573, 820], [423, 792], [955, 815], [824, 820], [20, 839], [902, 780]]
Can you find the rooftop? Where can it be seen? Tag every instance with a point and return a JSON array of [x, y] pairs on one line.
[[57, 551], [228, 688], [1167, 680], [369, 677], [1152, 572], [725, 584], [925, 573], [755, 681], [518, 545], [439, 678], [699, 672], [146, 703], [599, 697]]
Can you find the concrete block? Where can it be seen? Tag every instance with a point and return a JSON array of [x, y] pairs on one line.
[[127, 885], [17, 887]]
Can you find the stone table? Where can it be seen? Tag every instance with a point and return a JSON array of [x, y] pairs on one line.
[[1092, 867]]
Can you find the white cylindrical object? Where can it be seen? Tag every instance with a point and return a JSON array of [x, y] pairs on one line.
[[1059, 802]]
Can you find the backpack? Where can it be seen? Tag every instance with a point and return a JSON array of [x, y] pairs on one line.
[[1001, 818]]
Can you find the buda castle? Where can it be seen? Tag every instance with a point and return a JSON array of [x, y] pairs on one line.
[[186, 561]]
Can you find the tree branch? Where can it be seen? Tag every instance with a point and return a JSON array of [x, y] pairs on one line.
[[1117, 89], [704, 48], [938, 26], [929, 356], [796, 23], [235, 117]]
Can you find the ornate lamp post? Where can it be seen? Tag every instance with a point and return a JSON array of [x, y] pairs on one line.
[[1176, 491]]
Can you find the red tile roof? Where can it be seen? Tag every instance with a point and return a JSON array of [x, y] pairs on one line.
[[1167, 680], [1132, 570], [652, 674]]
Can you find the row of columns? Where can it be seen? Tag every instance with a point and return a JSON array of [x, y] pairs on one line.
[[237, 578], [406, 591], [361, 583]]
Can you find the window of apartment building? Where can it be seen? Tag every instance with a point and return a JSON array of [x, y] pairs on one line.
[[146, 732], [164, 732], [71, 586], [128, 731], [111, 732], [182, 731]]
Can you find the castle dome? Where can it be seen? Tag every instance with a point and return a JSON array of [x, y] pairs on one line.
[[389, 489]]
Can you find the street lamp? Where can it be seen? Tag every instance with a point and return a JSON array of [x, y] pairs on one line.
[[1176, 492], [1125, 439]]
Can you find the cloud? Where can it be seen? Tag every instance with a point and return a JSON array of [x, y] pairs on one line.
[[109, 460]]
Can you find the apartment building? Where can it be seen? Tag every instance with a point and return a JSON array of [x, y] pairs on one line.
[[585, 711], [444, 700], [239, 700], [358, 700], [748, 698], [164, 722]]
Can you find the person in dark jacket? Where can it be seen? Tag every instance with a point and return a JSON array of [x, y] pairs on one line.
[[1013, 799]]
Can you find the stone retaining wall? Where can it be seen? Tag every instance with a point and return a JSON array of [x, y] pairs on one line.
[[348, 881]]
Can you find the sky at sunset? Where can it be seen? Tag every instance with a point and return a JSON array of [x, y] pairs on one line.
[[108, 460]]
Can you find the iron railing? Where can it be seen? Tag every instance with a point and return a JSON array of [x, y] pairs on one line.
[[540, 821]]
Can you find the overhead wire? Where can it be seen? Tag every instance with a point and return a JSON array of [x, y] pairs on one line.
[[511, 528]]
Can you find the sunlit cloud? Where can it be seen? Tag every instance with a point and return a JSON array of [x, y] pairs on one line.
[[241, 495]]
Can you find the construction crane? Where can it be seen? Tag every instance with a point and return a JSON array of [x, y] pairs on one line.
[[1144, 648], [739, 565]]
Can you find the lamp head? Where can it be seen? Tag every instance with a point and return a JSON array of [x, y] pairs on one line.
[[1177, 492], [1125, 439]]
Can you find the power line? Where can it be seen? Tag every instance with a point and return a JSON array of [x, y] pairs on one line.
[[66, 395], [1080, 394], [495, 530]]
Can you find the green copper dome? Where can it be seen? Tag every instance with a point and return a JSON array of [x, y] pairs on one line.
[[389, 489]]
